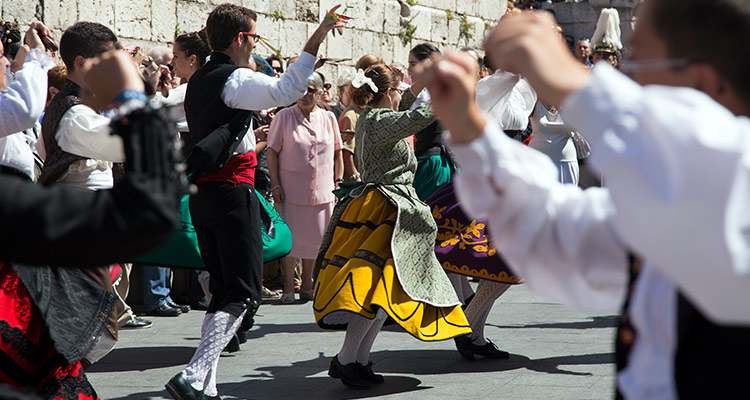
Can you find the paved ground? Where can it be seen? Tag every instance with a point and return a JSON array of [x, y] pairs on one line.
[[557, 353]]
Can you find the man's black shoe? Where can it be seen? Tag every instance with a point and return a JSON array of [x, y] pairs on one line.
[[183, 308], [366, 373], [164, 310], [137, 323], [179, 388], [217, 397]]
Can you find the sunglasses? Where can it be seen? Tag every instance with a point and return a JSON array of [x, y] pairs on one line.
[[311, 90], [327, 86]]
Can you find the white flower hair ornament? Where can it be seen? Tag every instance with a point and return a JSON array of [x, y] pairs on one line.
[[360, 79]]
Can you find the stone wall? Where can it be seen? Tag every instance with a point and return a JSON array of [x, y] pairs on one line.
[[578, 17], [378, 28]]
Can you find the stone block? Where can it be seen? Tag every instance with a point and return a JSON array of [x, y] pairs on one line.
[[271, 29], [163, 20], [340, 46], [307, 10], [422, 19], [293, 37], [439, 32], [439, 4], [24, 11], [58, 14], [453, 31], [133, 19], [400, 52], [191, 16], [101, 11], [373, 15], [363, 44], [466, 7], [392, 17], [491, 9]]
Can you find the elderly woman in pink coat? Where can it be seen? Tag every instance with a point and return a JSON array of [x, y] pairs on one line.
[[305, 165]]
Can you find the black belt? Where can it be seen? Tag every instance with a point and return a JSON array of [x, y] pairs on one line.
[[5, 170]]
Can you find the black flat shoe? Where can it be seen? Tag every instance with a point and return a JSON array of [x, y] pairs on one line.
[[179, 388], [233, 345], [348, 374], [183, 308], [201, 305], [367, 375], [489, 350], [463, 345], [217, 397], [164, 310]]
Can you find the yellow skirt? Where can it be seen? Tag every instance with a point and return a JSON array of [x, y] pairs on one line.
[[357, 276]]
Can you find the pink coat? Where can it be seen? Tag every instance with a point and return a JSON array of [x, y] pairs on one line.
[[306, 151]]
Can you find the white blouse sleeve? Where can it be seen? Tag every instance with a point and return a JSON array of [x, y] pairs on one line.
[[557, 237], [677, 166], [85, 133], [22, 103], [246, 89]]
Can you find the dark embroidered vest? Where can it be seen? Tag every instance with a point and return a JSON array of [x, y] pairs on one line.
[[58, 160], [711, 361]]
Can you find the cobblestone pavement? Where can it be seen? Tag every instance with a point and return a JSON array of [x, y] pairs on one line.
[[556, 353]]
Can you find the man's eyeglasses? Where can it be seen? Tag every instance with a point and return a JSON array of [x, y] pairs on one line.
[[255, 36]]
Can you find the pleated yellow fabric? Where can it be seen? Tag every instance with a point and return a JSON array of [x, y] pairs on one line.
[[357, 276]]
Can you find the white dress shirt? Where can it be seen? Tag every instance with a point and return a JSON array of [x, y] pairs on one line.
[[176, 105], [246, 89], [571, 245], [22, 103], [85, 133], [507, 98]]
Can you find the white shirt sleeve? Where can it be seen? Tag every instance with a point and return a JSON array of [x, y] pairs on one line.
[[85, 133], [557, 237], [678, 170], [507, 98], [22, 103], [249, 90]]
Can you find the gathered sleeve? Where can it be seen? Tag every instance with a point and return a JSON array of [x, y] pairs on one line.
[[391, 126]]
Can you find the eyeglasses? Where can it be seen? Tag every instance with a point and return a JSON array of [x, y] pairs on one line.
[[630, 66], [311, 90], [327, 86], [255, 36], [399, 90]]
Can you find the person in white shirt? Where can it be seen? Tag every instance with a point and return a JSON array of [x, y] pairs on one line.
[[666, 240], [224, 211], [22, 102]]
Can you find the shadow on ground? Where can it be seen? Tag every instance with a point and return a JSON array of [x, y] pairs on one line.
[[609, 321], [143, 358]]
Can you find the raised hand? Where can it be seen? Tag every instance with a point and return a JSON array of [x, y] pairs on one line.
[[34, 34], [452, 85], [529, 44], [108, 75]]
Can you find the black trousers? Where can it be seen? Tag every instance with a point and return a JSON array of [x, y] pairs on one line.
[[227, 220]]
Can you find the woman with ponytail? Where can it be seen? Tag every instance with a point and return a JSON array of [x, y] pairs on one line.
[[377, 258]]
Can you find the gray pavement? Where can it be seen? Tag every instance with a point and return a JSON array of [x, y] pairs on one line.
[[556, 353]]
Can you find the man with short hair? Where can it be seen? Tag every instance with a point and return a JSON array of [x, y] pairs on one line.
[[225, 211], [81, 152], [667, 238], [583, 52]]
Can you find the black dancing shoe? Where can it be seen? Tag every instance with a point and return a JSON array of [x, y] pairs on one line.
[[348, 374], [365, 372], [201, 305], [183, 308], [179, 388], [217, 397], [233, 345], [489, 350], [463, 345]]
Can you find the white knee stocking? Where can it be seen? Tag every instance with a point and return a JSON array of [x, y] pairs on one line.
[[356, 331], [363, 354], [216, 332], [479, 309]]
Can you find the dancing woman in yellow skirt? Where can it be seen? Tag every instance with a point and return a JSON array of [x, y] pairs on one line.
[[377, 258]]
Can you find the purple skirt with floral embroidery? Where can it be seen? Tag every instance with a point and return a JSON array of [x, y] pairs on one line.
[[463, 245]]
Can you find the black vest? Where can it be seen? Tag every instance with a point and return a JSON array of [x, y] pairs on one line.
[[204, 108], [57, 160], [711, 362]]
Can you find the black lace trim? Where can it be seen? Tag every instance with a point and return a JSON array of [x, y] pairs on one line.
[[20, 343], [69, 386]]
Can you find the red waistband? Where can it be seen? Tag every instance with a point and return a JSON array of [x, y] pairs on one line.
[[239, 169]]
